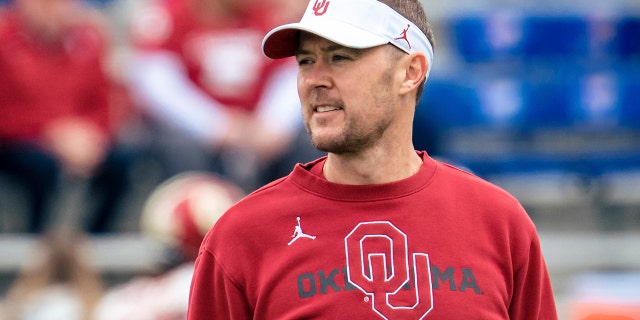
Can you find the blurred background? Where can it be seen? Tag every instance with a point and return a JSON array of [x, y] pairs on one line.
[[540, 97]]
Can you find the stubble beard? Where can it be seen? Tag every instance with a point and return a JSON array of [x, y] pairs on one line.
[[352, 139], [356, 135]]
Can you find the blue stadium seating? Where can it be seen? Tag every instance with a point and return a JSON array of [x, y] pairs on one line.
[[475, 101], [627, 35], [511, 34], [597, 104], [630, 99], [449, 103], [547, 104], [555, 37], [537, 97], [537, 93], [487, 37]]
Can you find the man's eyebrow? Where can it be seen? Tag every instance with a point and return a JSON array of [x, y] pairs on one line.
[[330, 48], [301, 52]]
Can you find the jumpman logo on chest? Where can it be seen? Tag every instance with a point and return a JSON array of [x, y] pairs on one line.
[[298, 233]]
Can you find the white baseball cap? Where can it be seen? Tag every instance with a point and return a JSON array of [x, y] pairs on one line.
[[351, 23]]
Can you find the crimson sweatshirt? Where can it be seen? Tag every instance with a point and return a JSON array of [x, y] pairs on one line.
[[441, 244]]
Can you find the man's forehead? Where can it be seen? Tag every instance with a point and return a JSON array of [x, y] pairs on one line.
[[308, 39]]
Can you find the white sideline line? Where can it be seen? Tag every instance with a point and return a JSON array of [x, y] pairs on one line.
[[583, 251], [112, 253]]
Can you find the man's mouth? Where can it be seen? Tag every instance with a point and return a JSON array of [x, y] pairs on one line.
[[327, 109]]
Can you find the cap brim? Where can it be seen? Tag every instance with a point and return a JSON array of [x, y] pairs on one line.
[[284, 41]]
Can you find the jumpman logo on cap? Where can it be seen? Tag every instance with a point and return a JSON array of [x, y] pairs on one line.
[[298, 233], [403, 36]]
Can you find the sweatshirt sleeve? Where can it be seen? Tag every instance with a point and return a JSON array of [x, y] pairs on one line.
[[214, 295], [532, 297]]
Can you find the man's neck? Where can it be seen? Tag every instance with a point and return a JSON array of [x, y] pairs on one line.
[[374, 167]]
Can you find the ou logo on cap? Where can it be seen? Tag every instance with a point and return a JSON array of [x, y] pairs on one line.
[[320, 8]]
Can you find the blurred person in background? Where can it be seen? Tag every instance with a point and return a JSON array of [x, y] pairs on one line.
[[213, 100], [55, 98], [177, 214], [58, 284]]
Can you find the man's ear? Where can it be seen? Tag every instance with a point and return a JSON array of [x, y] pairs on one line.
[[416, 68]]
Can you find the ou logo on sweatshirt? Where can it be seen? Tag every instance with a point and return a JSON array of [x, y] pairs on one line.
[[378, 263]]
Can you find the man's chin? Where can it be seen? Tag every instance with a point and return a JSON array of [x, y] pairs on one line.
[[330, 147]]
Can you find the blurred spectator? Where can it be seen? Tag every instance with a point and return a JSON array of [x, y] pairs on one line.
[[214, 102], [59, 284], [55, 100], [178, 213]]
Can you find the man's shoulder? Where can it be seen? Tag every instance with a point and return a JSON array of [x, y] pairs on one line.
[[254, 218], [273, 184], [464, 174], [472, 185], [266, 197]]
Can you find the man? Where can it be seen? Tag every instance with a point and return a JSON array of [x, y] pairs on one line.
[[398, 235]]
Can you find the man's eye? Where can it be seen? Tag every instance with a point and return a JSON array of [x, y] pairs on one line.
[[338, 57], [304, 61]]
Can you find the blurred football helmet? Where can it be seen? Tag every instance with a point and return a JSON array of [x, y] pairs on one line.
[[181, 210]]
